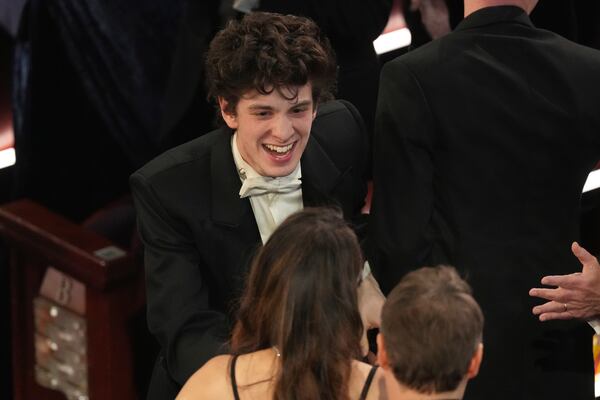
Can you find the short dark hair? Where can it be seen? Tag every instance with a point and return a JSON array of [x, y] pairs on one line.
[[432, 327], [266, 52], [301, 296]]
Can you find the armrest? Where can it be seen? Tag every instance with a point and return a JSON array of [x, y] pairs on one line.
[[80, 253]]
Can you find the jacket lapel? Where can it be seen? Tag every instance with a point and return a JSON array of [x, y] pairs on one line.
[[320, 176], [228, 209]]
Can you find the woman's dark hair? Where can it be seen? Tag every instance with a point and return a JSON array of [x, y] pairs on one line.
[[266, 52], [301, 296]]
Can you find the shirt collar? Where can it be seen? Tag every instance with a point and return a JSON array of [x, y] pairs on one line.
[[494, 15]]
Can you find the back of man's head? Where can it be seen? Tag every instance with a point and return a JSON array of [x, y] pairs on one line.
[[431, 330]]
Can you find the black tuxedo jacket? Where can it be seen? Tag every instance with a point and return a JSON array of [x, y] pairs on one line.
[[484, 140], [199, 235]]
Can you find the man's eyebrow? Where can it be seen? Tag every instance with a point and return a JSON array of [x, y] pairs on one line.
[[255, 107], [302, 103], [260, 107]]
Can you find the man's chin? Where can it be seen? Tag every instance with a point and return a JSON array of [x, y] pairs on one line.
[[279, 171]]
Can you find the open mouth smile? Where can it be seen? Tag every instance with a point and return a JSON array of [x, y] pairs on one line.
[[279, 150]]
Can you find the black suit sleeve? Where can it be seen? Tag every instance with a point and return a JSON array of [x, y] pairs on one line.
[[400, 236], [179, 313]]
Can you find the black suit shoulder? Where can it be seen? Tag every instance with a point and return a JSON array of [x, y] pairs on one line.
[[340, 130], [511, 48], [179, 180], [194, 151]]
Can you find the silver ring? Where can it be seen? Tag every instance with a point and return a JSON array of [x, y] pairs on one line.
[[565, 304]]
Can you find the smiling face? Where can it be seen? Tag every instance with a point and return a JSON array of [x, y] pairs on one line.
[[272, 131]]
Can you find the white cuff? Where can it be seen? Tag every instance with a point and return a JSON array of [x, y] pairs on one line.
[[595, 323]]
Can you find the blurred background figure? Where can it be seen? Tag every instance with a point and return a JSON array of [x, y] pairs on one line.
[[431, 19], [88, 88], [86, 84], [10, 19]]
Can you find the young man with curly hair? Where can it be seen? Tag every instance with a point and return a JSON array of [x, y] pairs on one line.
[[205, 207]]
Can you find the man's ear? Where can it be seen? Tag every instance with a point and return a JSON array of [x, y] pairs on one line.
[[316, 107], [475, 362], [229, 118], [382, 357]]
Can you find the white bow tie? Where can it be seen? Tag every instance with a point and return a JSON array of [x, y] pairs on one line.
[[260, 185]]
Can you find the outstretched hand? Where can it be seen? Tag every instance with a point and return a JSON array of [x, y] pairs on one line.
[[576, 295]]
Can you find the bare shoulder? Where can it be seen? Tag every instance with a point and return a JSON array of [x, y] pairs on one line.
[[360, 373], [209, 382]]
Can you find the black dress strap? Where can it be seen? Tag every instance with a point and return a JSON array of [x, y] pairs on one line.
[[365, 390], [236, 395]]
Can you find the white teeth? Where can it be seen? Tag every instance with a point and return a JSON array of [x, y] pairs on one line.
[[279, 149]]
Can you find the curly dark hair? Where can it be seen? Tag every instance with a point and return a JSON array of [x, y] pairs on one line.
[[266, 52]]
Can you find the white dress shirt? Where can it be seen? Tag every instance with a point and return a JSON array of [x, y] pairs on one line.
[[270, 209], [595, 323]]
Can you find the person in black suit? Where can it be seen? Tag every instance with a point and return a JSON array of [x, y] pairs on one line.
[[204, 207], [484, 139]]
